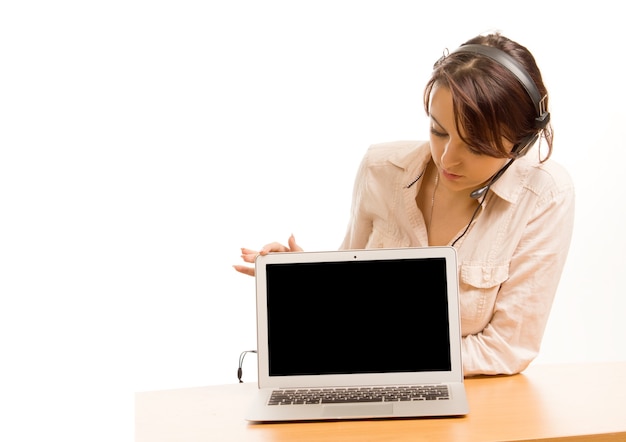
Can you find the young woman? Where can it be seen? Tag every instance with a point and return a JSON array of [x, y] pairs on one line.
[[480, 184]]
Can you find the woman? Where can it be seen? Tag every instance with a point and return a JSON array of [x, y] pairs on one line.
[[481, 185]]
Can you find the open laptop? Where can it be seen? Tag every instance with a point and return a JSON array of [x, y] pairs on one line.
[[358, 334]]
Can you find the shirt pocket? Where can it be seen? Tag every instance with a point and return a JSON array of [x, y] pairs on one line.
[[479, 285]]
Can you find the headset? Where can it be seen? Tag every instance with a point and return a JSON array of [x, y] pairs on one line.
[[542, 117]]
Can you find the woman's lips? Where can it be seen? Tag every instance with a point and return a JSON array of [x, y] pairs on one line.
[[450, 176]]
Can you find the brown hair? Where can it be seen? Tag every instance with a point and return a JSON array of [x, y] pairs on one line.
[[489, 101]]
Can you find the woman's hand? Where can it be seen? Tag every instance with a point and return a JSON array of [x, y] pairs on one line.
[[249, 255]]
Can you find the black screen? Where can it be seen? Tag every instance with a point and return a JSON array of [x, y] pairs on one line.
[[358, 317]]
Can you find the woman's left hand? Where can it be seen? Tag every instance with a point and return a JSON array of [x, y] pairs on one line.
[[249, 255]]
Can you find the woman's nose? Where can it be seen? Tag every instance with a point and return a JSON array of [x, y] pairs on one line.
[[451, 154]]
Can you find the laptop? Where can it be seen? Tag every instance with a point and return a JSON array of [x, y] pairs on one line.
[[358, 334]]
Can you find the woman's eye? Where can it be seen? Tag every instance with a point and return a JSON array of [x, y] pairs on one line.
[[474, 150], [436, 133]]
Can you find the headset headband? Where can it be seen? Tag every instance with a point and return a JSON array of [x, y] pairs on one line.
[[508, 62]]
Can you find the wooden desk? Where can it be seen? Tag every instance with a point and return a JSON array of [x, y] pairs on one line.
[[580, 402]]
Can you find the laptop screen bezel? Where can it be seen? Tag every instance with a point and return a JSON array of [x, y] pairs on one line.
[[455, 374]]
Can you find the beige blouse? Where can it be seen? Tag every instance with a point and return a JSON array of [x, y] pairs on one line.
[[510, 260]]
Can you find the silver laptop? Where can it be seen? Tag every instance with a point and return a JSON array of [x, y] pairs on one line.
[[358, 334]]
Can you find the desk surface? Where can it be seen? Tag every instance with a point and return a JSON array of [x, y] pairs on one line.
[[556, 402]]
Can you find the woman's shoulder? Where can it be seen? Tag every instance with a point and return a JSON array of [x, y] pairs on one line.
[[550, 173], [401, 153], [546, 180]]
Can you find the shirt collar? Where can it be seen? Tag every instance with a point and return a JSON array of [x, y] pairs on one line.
[[412, 160]]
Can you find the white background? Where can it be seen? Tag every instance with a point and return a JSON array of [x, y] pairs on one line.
[[143, 143]]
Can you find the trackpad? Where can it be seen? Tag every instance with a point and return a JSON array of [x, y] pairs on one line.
[[352, 410]]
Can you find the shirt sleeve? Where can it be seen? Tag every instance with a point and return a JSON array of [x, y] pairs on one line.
[[360, 225], [513, 337]]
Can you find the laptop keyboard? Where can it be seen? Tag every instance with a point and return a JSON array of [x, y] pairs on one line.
[[359, 394]]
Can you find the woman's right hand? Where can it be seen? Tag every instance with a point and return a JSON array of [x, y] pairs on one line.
[[249, 255]]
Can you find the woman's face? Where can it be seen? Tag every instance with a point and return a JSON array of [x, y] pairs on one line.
[[460, 168]]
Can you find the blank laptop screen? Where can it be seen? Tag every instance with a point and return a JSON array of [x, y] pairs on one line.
[[358, 317]]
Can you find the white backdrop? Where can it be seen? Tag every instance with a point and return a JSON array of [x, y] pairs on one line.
[[143, 143]]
